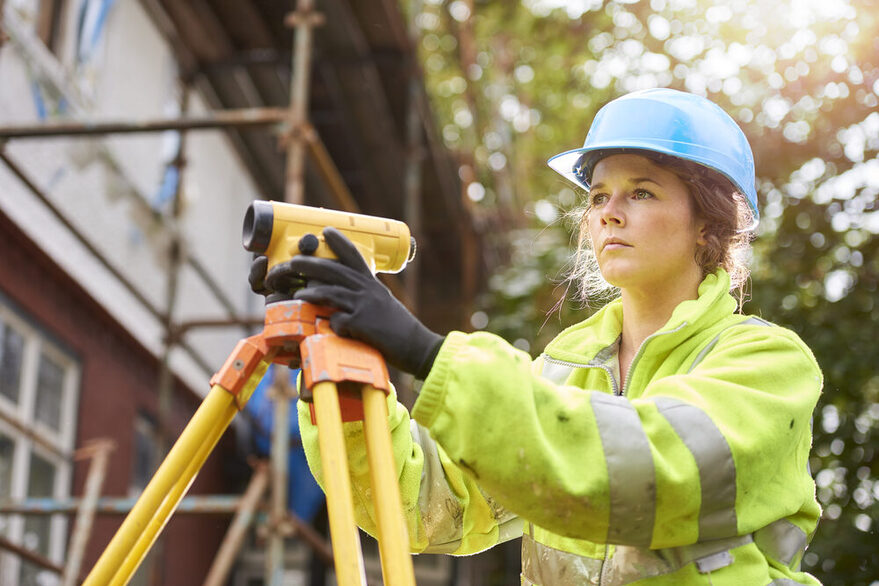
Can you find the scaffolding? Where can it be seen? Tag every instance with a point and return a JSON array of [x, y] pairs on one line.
[[302, 144]]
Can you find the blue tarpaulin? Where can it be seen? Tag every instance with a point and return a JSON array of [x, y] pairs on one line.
[[304, 496]]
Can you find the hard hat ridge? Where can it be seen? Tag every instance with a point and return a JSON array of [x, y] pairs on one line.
[[672, 122]]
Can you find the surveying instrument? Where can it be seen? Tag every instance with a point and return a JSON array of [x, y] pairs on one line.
[[347, 380]]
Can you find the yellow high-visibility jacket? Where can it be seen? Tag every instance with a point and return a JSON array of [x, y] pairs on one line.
[[695, 472]]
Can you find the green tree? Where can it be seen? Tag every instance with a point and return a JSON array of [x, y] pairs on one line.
[[516, 82]]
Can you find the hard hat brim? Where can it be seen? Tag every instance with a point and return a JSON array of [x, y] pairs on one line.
[[569, 163]]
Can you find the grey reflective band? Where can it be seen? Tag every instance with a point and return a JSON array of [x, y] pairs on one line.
[[717, 470], [703, 353], [782, 541], [436, 500], [546, 566], [630, 471], [685, 554], [714, 562], [751, 321]]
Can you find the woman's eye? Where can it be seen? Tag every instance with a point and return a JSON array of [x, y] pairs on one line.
[[643, 194], [597, 199]]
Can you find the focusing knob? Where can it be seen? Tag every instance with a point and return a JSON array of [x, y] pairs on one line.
[[308, 244]]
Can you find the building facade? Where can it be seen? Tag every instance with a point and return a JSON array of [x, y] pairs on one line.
[[123, 282]]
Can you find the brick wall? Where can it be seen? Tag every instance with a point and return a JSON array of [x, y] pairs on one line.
[[119, 380]]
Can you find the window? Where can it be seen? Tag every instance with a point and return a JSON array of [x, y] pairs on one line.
[[146, 456], [38, 388], [43, 16], [11, 349]]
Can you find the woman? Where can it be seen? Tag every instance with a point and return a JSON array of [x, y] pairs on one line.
[[663, 440]]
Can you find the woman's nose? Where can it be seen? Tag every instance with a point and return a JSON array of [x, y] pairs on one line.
[[612, 212]]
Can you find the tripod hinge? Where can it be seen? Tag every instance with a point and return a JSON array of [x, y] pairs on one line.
[[240, 366]]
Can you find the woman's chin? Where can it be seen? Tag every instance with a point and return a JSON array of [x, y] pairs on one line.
[[619, 277]]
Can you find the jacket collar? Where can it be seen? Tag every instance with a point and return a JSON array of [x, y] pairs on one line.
[[602, 329]]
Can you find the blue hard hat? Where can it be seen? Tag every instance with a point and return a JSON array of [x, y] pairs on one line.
[[667, 121]]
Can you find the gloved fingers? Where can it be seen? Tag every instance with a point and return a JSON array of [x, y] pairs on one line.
[[345, 250], [328, 295], [280, 274], [283, 280], [312, 268], [339, 324], [257, 275]]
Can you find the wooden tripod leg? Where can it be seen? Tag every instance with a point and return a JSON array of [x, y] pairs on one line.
[[393, 537], [222, 565], [337, 483]]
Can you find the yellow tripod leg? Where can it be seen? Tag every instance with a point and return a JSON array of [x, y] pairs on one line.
[[169, 505], [340, 503], [209, 422], [393, 537]]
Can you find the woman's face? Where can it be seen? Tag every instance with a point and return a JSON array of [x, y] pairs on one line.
[[641, 224]]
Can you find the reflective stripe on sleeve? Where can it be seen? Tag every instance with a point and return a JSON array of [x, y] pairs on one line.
[[717, 470], [630, 470], [782, 541], [441, 510], [546, 566], [439, 507]]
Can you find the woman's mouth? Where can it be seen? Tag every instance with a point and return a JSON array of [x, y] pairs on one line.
[[613, 243]]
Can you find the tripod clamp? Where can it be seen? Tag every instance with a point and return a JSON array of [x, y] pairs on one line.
[[300, 335]]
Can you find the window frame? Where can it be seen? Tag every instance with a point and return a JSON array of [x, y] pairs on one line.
[[44, 18], [145, 429], [19, 423]]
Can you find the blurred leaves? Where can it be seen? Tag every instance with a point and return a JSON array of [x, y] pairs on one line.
[[516, 82]]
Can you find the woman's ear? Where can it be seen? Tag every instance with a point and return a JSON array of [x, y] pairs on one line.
[[702, 229]]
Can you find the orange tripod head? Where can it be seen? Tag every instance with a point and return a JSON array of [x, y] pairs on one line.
[[278, 230]]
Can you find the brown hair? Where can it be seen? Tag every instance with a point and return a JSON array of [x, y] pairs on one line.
[[729, 226]]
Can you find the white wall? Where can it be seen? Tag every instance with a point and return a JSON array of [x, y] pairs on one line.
[[104, 185]]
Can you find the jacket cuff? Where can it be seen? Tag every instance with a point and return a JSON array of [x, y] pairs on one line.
[[433, 392]]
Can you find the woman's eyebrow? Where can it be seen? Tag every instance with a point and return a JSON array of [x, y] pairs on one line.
[[645, 180], [634, 181]]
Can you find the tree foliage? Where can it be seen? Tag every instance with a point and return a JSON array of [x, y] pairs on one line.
[[516, 82]]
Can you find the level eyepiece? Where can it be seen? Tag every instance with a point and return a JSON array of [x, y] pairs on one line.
[[258, 222]]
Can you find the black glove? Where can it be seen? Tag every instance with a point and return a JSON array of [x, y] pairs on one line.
[[286, 285], [257, 276], [366, 309]]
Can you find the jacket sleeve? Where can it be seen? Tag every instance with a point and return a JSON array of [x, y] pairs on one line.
[[446, 511], [707, 454]]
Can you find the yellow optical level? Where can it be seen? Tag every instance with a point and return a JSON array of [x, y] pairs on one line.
[[276, 229]]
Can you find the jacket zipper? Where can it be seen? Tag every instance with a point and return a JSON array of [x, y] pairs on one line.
[[613, 382], [641, 351], [603, 563]]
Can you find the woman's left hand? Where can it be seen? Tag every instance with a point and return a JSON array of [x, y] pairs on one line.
[[366, 310]]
